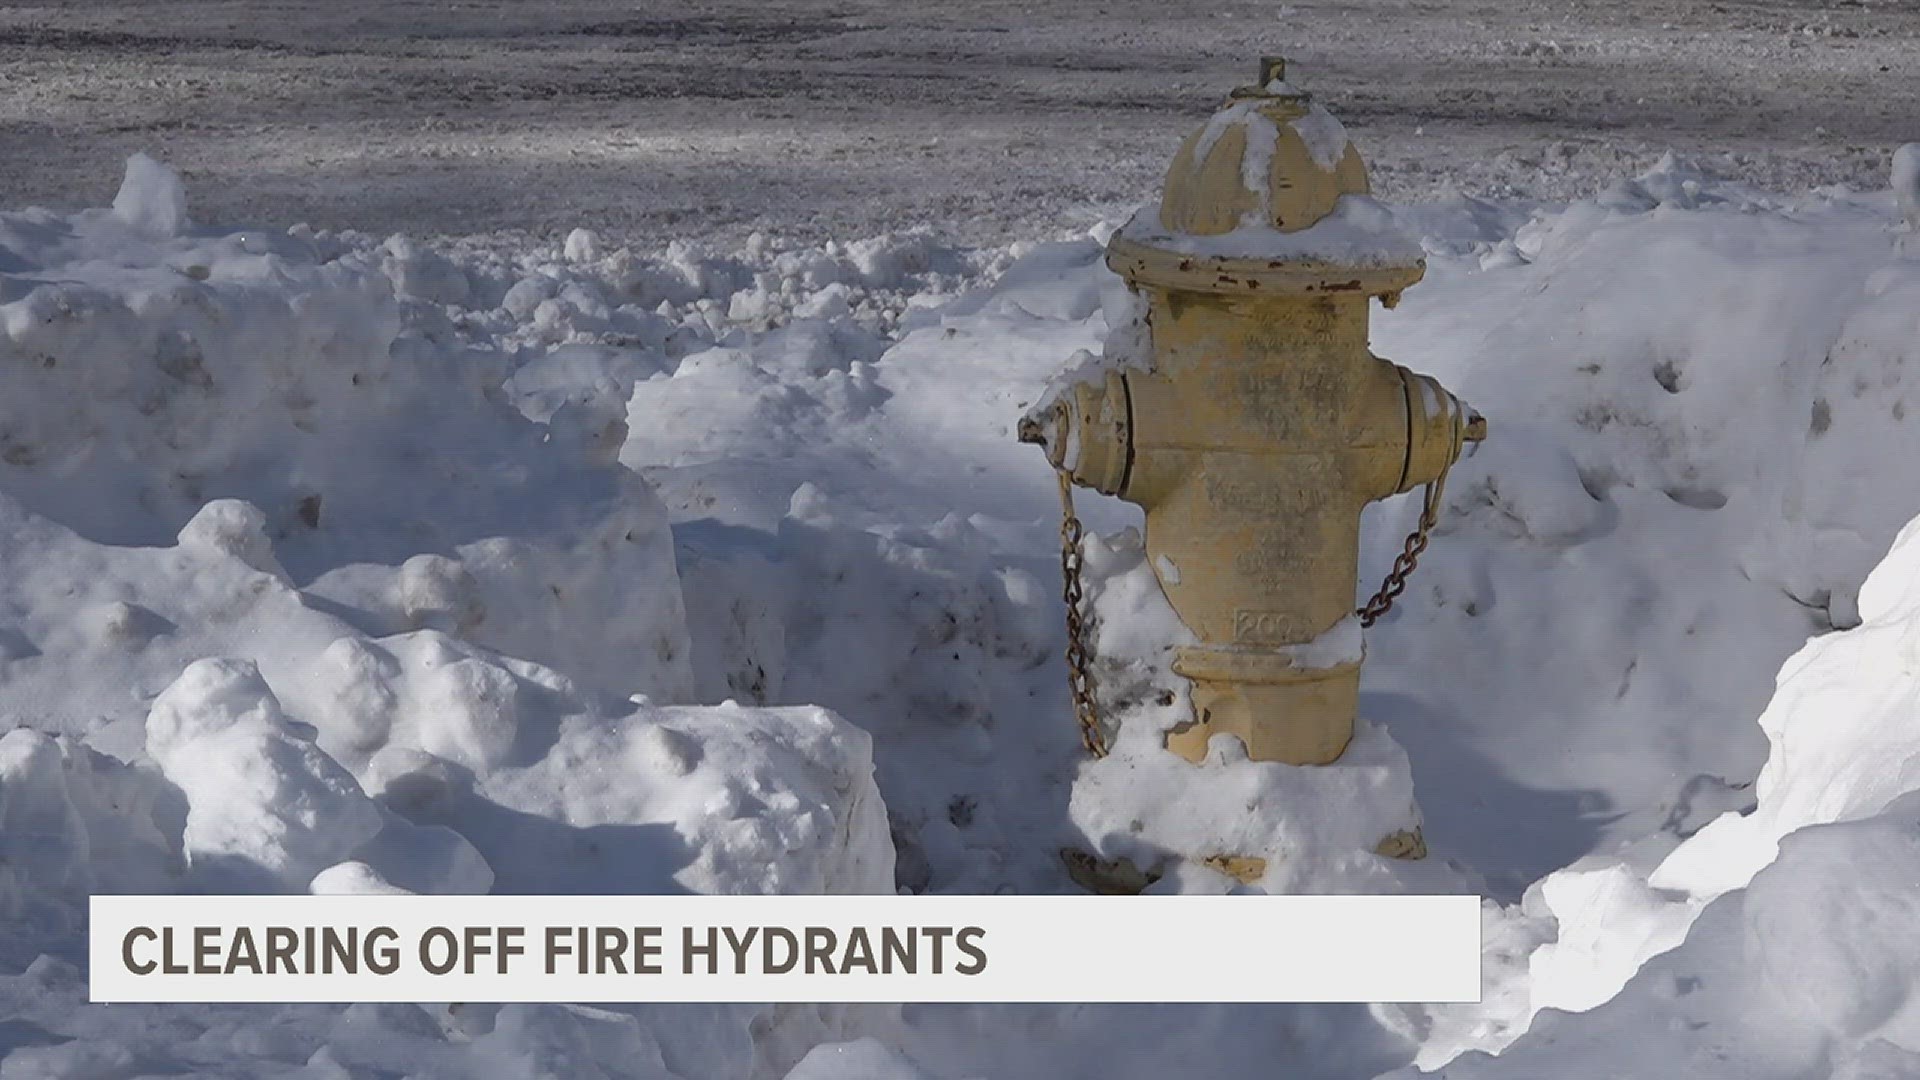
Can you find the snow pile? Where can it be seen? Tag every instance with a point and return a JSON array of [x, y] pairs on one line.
[[277, 546], [1842, 752], [1841, 747], [1807, 971], [265, 807], [383, 566], [1809, 502], [143, 376], [1695, 407]]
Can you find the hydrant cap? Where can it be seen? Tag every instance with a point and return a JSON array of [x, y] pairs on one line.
[[1268, 198], [1269, 156]]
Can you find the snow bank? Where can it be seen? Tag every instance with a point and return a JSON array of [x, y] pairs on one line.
[[1842, 751], [1841, 745], [434, 630], [1715, 380], [273, 534], [426, 763], [144, 374], [1808, 971]]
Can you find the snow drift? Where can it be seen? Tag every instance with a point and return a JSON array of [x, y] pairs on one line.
[[1790, 927]]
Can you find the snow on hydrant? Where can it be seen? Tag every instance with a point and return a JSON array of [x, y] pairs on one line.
[[1259, 424]]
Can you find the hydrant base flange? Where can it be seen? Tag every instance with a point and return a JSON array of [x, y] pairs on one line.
[[1272, 706]]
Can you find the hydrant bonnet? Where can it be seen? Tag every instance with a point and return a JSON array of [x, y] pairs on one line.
[[1269, 156]]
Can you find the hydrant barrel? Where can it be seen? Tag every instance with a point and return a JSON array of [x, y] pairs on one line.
[[1260, 425]]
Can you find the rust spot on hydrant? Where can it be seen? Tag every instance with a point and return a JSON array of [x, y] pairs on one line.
[[1121, 877], [1405, 844], [1107, 877], [1246, 869]]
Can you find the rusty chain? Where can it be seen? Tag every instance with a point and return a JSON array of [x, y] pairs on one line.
[[1404, 563], [1079, 678], [1409, 558], [1079, 659]]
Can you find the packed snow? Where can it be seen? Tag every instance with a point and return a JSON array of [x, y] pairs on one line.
[[336, 563]]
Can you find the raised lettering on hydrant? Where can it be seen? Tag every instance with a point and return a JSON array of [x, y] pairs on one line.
[[1262, 424]]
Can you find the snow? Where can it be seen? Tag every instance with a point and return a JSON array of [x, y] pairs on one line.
[[861, 1059], [1358, 231], [1809, 970], [152, 199], [1906, 183], [1345, 643], [1256, 161], [340, 563], [1841, 752], [1325, 137]]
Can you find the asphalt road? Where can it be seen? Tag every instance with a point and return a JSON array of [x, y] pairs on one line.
[[987, 121]]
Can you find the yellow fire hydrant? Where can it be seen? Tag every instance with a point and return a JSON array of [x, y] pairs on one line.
[[1262, 424]]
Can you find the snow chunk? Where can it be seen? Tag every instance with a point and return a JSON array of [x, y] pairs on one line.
[[1592, 958], [211, 698], [425, 274], [583, 245], [353, 879], [1906, 183], [151, 199], [267, 809], [722, 800], [235, 529], [563, 791], [440, 593], [75, 822], [427, 691], [1809, 970]]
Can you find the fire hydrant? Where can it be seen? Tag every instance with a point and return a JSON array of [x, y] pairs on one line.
[[1262, 424]]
